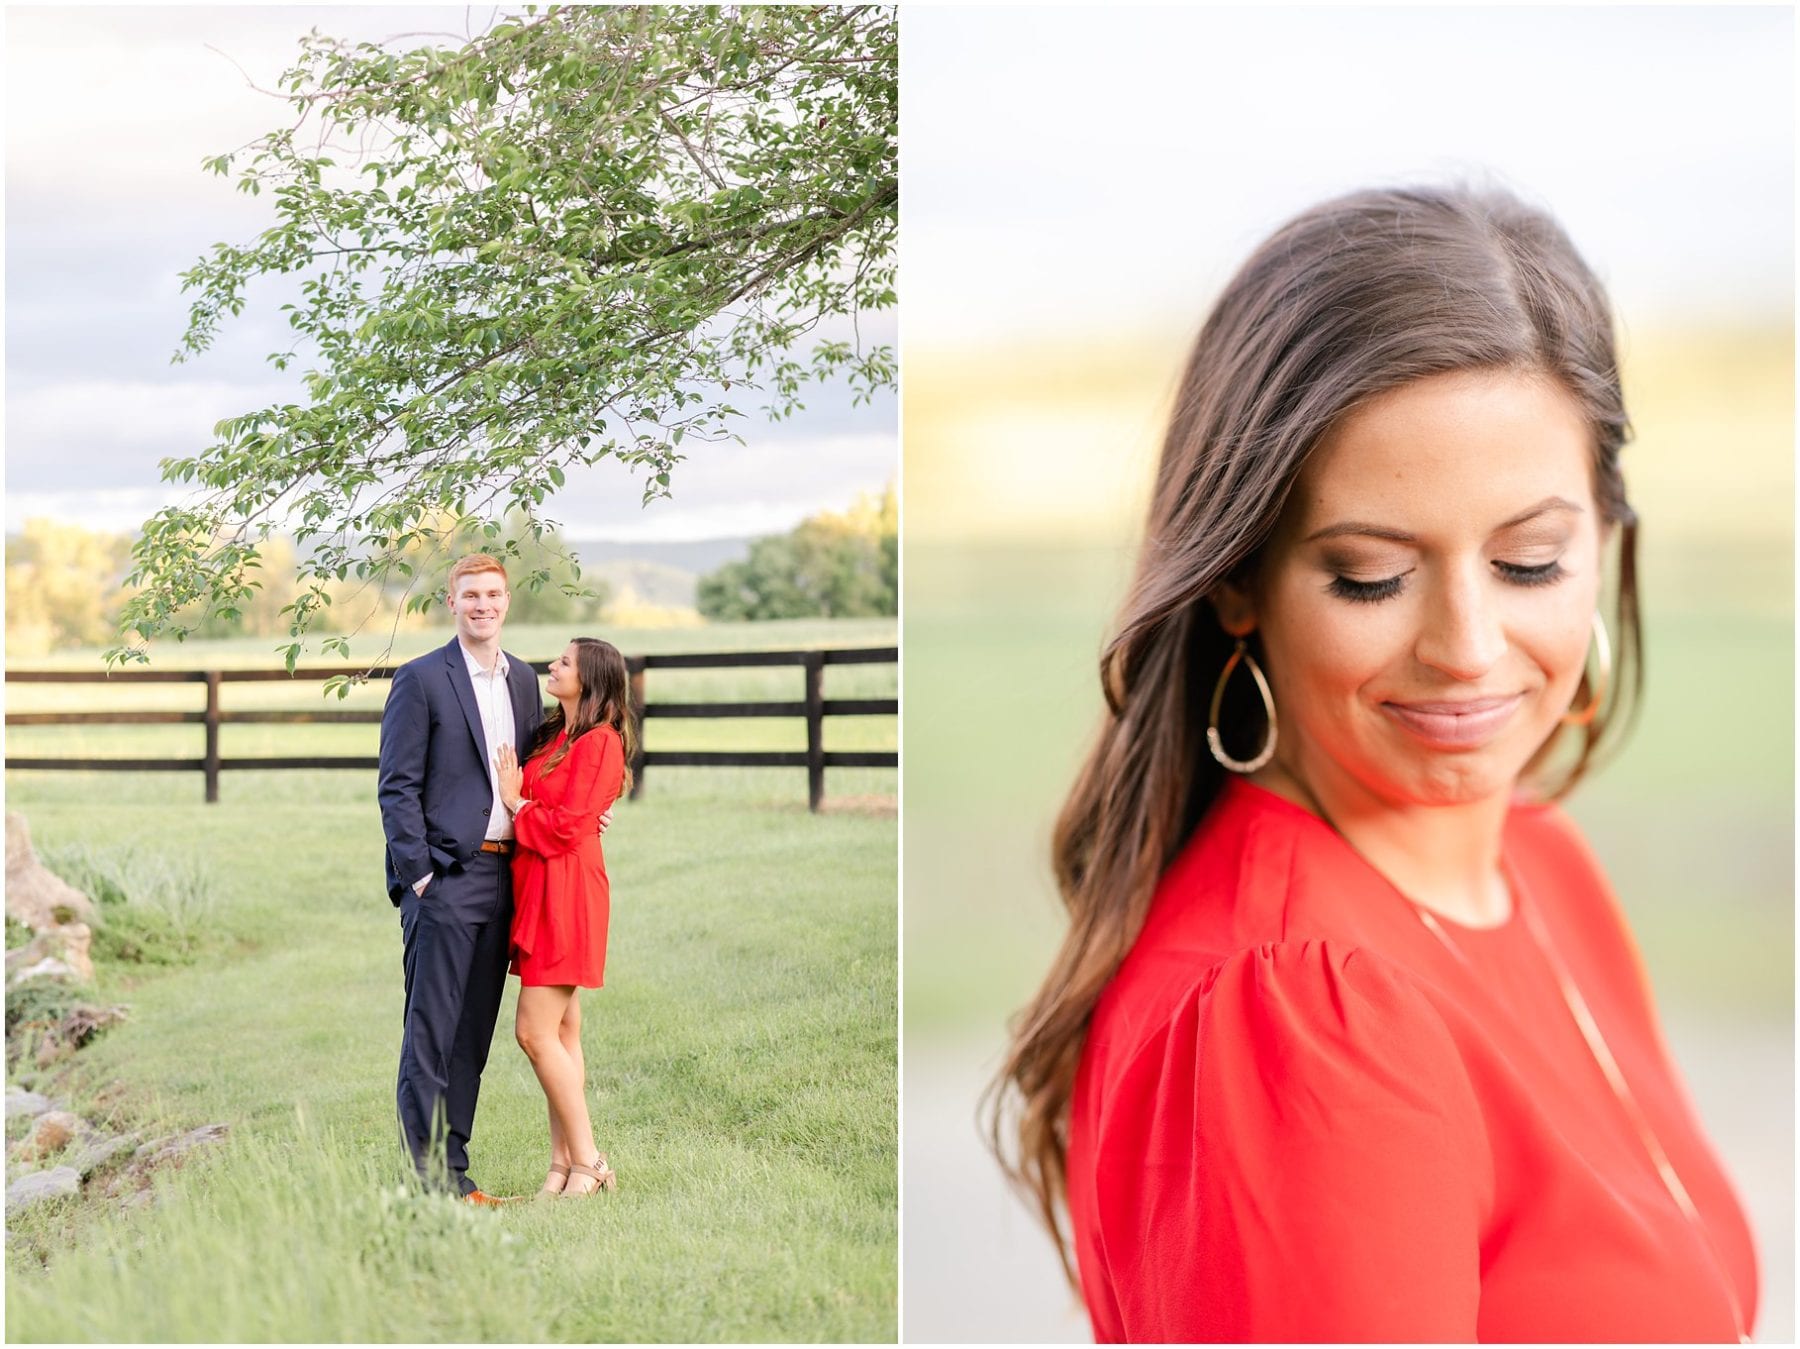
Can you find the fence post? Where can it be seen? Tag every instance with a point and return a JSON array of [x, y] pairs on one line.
[[212, 737], [815, 729], [636, 666]]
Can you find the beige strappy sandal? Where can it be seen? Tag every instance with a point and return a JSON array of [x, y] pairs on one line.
[[556, 1169], [603, 1176]]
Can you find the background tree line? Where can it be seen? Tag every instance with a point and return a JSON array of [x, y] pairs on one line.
[[828, 566], [66, 585]]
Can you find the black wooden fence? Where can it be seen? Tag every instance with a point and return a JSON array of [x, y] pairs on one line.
[[814, 706]]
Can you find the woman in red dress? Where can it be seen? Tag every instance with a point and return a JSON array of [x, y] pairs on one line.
[[576, 769], [1348, 1039]]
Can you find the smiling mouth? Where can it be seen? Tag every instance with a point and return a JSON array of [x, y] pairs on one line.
[[1455, 724]]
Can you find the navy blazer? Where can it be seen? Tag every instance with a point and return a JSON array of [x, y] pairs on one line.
[[436, 786]]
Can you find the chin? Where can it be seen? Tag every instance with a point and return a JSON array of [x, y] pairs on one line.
[[1462, 779]]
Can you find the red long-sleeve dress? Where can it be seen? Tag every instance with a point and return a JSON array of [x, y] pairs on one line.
[[560, 898], [1301, 1115]]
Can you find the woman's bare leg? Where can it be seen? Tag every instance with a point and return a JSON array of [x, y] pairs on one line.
[[569, 1032], [539, 1031], [559, 1153]]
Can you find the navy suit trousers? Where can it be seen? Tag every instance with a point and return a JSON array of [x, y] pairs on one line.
[[456, 941]]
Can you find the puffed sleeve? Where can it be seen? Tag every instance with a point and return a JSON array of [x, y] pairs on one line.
[[596, 768], [1297, 1156]]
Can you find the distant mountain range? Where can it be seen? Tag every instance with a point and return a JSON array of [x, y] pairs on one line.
[[662, 574], [698, 556]]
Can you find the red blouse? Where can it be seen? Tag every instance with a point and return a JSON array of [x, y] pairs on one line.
[[1301, 1116], [561, 900]]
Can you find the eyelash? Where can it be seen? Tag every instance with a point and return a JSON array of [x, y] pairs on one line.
[[1374, 592]]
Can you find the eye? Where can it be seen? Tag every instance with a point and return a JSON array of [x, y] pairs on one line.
[[1549, 573], [1367, 592]]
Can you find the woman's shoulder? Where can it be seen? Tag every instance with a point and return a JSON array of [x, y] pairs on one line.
[[1260, 869], [1299, 1098], [1317, 1024], [1542, 831], [1266, 911], [1562, 876], [1553, 860], [595, 740], [1309, 980]]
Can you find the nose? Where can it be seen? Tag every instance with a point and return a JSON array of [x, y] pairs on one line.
[[1462, 634]]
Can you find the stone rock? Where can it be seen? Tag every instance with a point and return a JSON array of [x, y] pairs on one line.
[[174, 1150], [51, 1050], [56, 952], [57, 1040], [101, 1151], [47, 968], [35, 895], [131, 1186], [27, 1103], [53, 1132], [56, 1183]]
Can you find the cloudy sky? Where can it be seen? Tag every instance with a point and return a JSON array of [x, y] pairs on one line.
[[109, 112], [1074, 169]]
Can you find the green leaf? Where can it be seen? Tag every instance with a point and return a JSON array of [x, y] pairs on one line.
[[513, 263]]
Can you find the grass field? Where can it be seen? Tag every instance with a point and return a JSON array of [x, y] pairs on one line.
[[742, 1067]]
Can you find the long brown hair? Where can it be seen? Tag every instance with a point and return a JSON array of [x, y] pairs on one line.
[[605, 701], [1357, 296]]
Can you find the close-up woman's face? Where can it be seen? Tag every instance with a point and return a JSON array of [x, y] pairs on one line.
[[564, 680], [1425, 603]]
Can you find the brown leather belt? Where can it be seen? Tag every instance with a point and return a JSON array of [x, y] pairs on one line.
[[499, 845]]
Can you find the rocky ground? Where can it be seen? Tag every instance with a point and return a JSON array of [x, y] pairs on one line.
[[51, 1013]]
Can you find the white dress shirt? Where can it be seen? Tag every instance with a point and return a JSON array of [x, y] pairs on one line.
[[493, 700]]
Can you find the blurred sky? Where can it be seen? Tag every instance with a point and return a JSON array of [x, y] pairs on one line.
[[109, 112], [1070, 168], [1080, 184]]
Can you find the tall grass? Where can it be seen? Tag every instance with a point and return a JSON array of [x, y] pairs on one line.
[[154, 908], [741, 1061]]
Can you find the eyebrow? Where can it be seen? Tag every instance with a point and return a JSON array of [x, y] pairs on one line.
[[1544, 507]]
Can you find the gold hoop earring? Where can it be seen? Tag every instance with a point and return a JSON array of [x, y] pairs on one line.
[[1602, 680], [1213, 742]]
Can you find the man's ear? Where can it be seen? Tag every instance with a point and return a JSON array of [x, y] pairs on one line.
[[1236, 608]]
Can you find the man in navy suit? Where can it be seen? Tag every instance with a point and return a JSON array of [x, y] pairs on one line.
[[449, 865]]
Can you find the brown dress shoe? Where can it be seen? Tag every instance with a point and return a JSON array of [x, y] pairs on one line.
[[481, 1200]]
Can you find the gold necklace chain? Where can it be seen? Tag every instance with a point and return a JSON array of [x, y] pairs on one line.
[[1608, 1065], [1590, 1034]]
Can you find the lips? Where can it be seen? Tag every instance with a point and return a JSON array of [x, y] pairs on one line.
[[1455, 723]]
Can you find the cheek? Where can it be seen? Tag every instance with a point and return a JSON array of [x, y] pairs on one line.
[[1322, 650], [1555, 627], [1561, 647]]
